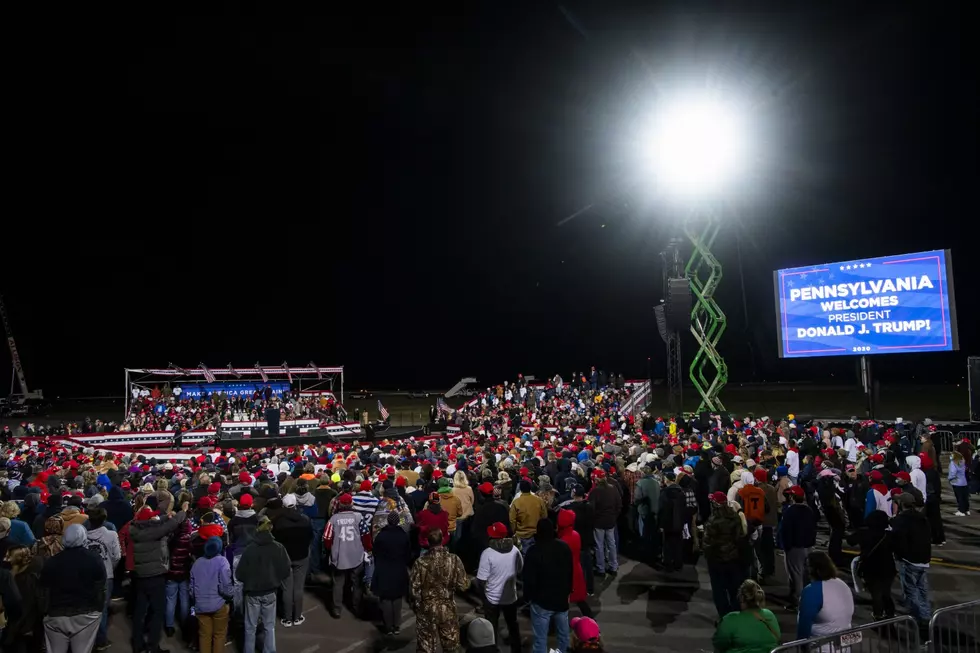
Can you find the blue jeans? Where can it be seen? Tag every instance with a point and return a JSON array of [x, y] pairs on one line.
[[540, 620], [183, 588], [605, 543], [526, 543], [103, 635], [260, 608], [915, 585], [316, 546]]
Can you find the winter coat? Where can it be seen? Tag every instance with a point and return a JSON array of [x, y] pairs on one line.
[[646, 497], [567, 534], [911, 537], [180, 553], [427, 520], [75, 583], [607, 501], [118, 510], [548, 574], [151, 550], [485, 515], [211, 587], [722, 535], [452, 506], [263, 567], [292, 529], [241, 528], [719, 481], [798, 528], [525, 512], [584, 522], [917, 475], [392, 558], [673, 513], [465, 497], [877, 559]]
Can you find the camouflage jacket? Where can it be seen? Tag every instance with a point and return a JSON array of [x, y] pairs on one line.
[[436, 577]]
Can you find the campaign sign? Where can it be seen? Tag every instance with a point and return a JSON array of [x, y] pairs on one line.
[[233, 388], [887, 305]]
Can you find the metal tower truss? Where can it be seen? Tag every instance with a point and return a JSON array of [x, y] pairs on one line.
[[709, 374]]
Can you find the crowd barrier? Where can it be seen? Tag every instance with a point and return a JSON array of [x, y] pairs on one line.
[[898, 635], [945, 440], [955, 629]]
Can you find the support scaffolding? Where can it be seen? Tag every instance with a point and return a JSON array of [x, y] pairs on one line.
[[708, 370]]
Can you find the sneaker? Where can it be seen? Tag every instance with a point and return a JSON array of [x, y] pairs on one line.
[[103, 647], [299, 622], [286, 623], [396, 631], [335, 613], [959, 514]]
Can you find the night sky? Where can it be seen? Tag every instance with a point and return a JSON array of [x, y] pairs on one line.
[[390, 191]]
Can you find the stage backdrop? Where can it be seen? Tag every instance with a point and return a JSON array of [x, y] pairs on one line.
[[886, 305]]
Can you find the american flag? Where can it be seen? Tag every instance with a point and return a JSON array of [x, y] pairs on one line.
[[285, 367], [265, 377], [382, 411], [442, 406], [208, 376]]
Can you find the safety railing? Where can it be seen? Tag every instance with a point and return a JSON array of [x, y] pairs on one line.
[[946, 440], [955, 629], [898, 635]]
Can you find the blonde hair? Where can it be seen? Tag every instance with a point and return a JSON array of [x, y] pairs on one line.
[[9, 509], [751, 596], [460, 480]]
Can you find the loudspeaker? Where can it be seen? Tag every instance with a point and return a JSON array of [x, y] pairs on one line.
[[292, 431], [658, 311], [259, 433], [677, 304], [973, 362], [232, 435]]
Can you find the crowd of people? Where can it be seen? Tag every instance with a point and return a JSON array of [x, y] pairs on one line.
[[525, 511], [163, 410]]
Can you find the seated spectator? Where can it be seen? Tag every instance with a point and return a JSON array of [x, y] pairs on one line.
[[752, 629]]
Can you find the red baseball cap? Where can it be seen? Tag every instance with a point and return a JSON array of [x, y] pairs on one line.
[[903, 476], [486, 488], [245, 501], [718, 497], [365, 486], [796, 491], [497, 531], [400, 481]]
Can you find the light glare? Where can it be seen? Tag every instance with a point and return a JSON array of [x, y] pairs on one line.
[[698, 147]]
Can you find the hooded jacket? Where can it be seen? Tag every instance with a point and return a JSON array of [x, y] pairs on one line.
[[149, 535], [918, 476], [264, 565], [118, 510], [432, 517], [306, 504], [292, 529], [722, 535], [568, 535], [241, 528], [211, 585]]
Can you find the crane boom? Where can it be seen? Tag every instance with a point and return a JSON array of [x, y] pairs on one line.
[[14, 356]]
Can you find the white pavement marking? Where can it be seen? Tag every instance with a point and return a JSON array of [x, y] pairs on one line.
[[311, 649]]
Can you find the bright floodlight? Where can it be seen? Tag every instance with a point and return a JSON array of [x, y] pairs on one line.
[[698, 146]]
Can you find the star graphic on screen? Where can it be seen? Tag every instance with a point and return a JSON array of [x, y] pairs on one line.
[[842, 267], [803, 276], [848, 267], [831, 276], [869, 265], [790, 283]]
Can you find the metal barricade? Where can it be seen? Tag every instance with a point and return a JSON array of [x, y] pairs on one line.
[[955, 629], [898, 635], [943, 441]]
